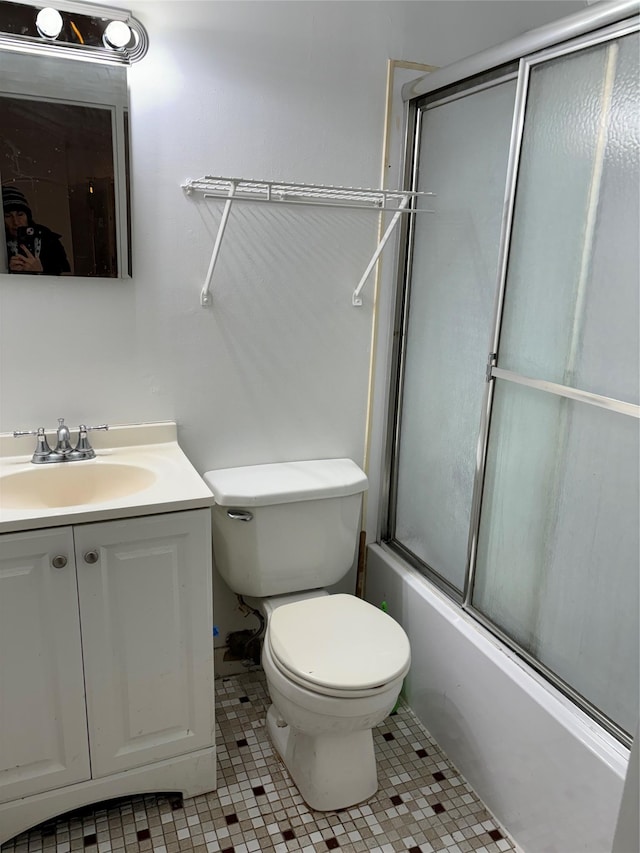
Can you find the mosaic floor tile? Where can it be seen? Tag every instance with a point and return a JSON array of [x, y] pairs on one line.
[[422, 805]]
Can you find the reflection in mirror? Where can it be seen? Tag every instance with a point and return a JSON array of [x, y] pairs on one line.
[[57, 168], [64, 157], [31, 247]]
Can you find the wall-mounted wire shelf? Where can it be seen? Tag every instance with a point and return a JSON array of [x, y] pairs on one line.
[[279, 192]]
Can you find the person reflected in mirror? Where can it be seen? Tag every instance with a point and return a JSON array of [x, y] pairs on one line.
[[31, 248]]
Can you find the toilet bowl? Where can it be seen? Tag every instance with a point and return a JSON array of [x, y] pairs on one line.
[[334, 667], [334, 664]]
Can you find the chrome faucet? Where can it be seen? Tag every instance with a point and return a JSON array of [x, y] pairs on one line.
[[64, 450]]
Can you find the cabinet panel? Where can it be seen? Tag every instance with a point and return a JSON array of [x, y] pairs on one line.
[[146, 616], [43, 732]]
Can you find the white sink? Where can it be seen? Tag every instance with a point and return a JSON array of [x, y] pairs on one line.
[[71, 484], [139, 469]]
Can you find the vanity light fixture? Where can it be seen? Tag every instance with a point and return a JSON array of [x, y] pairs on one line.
[[75, 30], [117, 35], [49, 23]]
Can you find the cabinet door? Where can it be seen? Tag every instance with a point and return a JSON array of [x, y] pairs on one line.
[[43, 727], [146, 614]]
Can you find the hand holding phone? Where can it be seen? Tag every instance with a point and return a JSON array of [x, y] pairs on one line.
[[25, 261], [26, 238]]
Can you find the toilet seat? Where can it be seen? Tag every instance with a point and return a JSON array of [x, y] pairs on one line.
[[337, 645]]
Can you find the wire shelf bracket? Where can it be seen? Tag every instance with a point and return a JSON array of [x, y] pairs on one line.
[[240, 189]]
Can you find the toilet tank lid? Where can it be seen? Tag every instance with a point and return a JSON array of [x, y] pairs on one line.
[[286, 482]]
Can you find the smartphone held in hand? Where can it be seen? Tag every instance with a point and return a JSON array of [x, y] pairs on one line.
[[26, 237]]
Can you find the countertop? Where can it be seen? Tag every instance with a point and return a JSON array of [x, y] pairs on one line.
[[176, 485]]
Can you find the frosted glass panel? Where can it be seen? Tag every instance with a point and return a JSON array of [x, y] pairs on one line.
[[572, 306], [558, 548], [463, 159]]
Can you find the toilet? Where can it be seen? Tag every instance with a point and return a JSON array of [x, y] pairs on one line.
[[334, 664]]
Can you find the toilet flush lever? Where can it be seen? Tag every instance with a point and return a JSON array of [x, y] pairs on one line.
[[239, 515]]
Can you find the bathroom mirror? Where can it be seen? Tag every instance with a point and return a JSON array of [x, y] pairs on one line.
[[64, 162], [64, 150]]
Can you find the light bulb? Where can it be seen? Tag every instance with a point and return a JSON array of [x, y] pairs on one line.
[[49, 23], [117, 35]]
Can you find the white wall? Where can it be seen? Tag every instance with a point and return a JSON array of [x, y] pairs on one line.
[[278, 368]]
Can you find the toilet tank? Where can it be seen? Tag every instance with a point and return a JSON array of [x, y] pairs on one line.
[[286, 526]]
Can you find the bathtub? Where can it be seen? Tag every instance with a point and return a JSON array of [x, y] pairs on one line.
[[551, 776]]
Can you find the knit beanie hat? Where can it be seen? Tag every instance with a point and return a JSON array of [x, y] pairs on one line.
[[14, 199]]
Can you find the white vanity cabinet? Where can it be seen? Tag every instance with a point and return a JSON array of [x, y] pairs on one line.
[[106, 664], [145, 615], [43, 731]]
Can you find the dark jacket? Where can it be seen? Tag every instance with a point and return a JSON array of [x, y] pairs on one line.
[[44, 244]]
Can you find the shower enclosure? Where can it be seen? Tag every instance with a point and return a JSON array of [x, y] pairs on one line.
[[514, 450]]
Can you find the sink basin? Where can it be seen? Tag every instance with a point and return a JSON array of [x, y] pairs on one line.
[[72, 484], [139, 470]]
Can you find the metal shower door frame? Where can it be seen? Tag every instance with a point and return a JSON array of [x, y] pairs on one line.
[[606, 32]]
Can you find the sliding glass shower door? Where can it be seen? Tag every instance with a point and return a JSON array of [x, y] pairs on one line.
[[558, 546], [463, 160], [517, 487]]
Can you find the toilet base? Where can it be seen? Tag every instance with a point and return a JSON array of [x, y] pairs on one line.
[[331, 771]]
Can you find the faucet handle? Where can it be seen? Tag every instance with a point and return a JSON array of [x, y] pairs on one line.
[[18, 432], [42, 450], [83, 449]]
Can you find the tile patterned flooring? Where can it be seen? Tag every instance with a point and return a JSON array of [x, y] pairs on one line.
[[422, 804]]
